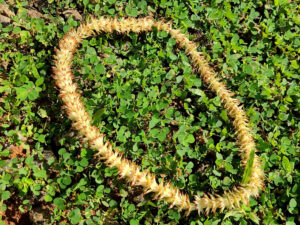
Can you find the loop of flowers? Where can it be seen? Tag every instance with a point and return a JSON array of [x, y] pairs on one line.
[[164, 190]]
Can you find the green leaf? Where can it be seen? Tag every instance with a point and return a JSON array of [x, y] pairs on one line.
[[100, 69], [234, 213], [286, 164], [75, 216], [3, 207], [99, 190], [163, 34], [60, 203], [254, 218], [293, 203], [189, 138], [41, 174], [131, 11], [248, 169], [42, 113], [35, 71], [39, 81], [134, 222], [163, 133], [21, 93], [2, 163], [113, 203], [47, 198], [67, 180], [85, 2], [98, 115], [34, 94], [196, 91], [5, 195], [153, 122], [276, 2], [84, 162], [169, 113]]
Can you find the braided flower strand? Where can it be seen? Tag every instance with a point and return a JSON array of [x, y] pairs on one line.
[[164, 190]]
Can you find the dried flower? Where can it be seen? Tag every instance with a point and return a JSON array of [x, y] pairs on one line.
[[75, 110]]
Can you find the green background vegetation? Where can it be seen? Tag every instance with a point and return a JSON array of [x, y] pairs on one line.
[[142, 92]]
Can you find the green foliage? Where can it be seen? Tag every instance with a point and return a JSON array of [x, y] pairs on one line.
[[142, 92], [248, 169]]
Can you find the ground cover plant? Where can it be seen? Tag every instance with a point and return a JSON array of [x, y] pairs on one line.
[[142, 92]]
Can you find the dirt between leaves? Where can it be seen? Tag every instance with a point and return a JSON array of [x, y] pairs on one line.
[[12, 214], [17, 151], [40, 212]]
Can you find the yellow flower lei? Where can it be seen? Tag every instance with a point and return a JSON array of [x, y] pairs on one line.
[[163, 190]]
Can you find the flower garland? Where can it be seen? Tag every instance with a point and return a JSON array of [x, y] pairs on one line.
[[164, 190]]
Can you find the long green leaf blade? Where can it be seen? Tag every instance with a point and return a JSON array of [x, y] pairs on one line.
[[248, 170]]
